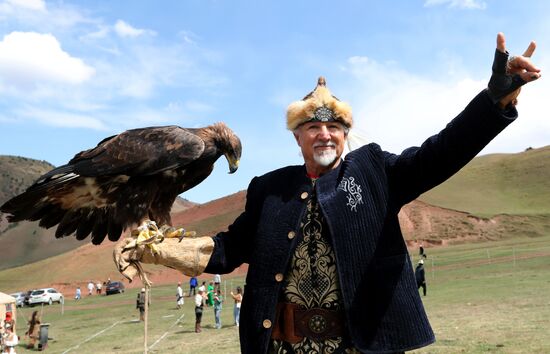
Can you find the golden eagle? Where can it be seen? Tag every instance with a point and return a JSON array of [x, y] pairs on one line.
[[125, 180]]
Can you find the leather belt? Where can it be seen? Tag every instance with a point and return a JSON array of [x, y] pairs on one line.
[[293, 323]]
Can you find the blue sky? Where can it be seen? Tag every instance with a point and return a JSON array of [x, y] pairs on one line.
[[75, 72]]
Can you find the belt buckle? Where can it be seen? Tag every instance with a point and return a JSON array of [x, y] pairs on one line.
[[317, 324]]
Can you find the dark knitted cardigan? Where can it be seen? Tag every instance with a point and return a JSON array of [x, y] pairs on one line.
[[360, 201]]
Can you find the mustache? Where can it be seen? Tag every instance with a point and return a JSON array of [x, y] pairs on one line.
[[327, 144]]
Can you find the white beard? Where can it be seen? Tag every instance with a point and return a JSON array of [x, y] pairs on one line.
[[325, 158]]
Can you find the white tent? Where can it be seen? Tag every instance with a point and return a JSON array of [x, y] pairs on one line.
[[7, 304]]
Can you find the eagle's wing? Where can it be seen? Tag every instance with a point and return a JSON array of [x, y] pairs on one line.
[[135, 152], [61, 196]]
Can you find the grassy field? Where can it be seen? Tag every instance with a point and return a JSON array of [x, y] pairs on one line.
[[110, 324], [490, 297], [483, 297]]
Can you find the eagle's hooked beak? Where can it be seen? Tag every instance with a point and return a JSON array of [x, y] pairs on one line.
[[233, 164]]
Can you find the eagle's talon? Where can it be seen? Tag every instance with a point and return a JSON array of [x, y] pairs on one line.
[[187, 234], [130, 245], [179, 233], [148, 234]]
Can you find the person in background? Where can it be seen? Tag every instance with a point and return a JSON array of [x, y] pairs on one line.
[[90, 288], [78, 294], [140, 304], [193, 282], [217, 282], [9, 319], [34, 329], [98, 288], [10, 340], [420, 276], [4, 324], [218, 300], [238, 297], [203, 287], [179, 296], [210, 294], [199, 306]]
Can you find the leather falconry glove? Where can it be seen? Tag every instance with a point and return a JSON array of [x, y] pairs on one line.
[[189, 256]]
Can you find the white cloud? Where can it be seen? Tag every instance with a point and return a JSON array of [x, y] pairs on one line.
[[188, 37], [403, 109], [60, 118], [461, 4], [41, 18], [123, 29], [100, 33], [35, 5], [27, 58], [143, 70]]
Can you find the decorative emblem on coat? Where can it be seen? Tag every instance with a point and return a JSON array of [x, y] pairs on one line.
[[354, 192]]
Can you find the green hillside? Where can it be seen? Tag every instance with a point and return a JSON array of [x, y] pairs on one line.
[[516, 184]]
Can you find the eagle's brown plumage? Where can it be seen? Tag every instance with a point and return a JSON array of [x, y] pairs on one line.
[[125, 179]]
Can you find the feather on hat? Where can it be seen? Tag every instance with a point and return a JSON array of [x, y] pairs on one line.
[[318, 106]]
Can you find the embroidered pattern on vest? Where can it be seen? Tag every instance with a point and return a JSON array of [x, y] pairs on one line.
[[312, 282], [354, 192]]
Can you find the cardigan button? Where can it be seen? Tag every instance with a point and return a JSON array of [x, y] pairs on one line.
[[304, 195], [266, 324], [291, 235], [279, 277]]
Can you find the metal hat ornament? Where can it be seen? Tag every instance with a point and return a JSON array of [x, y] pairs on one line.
[[318, 106]]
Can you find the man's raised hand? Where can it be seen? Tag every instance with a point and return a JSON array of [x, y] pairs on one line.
[[510, 74]]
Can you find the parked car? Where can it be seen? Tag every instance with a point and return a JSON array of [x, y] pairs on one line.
[[27, 297], [19, 298], [114, 287], [45, 296]]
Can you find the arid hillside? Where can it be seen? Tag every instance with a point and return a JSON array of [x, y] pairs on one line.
[[421, 222], [432, 225], [16, 174]]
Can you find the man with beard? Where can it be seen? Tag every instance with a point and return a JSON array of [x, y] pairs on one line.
[[329, 270]]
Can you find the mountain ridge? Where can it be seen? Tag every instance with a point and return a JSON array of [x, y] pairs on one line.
[[422, 222]]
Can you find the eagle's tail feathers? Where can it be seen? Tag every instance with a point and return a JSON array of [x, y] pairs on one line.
[[52, 217], [27, 205], [68, 224], [24, 209], [21, 207], [99, 230], [86, 225], [38, 211], [114, 229]]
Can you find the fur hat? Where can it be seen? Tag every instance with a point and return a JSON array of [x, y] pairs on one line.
[[318, 106]]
